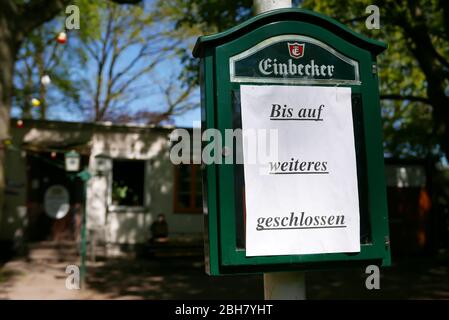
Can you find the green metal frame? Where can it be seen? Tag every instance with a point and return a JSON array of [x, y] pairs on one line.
[[222, 254]]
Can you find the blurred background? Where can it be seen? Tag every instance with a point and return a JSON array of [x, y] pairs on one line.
[[100, 85]]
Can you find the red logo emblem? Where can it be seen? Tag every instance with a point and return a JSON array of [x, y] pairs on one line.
[[296, 49]]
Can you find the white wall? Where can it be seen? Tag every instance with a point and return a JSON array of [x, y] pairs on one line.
[[405, 176], [132, 225]]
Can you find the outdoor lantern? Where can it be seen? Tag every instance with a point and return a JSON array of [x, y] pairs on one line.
[[35, 102], [102, 163], [61, 38], [72, 161], [45, 80]]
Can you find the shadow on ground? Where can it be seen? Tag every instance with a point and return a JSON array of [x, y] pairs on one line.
[[408, 278], [42, 275], [169, 278], [6, 275]]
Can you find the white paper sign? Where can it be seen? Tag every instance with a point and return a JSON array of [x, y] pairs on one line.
[[306, 200]]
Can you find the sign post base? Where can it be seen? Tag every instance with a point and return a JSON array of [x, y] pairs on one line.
[[284, 286]]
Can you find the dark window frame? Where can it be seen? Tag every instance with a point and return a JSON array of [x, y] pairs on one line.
[[194, 207], [120, 207]]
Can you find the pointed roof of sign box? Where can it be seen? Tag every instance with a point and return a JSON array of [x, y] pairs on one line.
[[289, 14]]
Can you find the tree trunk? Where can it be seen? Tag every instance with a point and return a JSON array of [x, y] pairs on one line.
[[8, 49], [42, 88]]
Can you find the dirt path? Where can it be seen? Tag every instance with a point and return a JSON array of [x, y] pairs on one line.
[[125, 279], [37, 280], [44, 277]]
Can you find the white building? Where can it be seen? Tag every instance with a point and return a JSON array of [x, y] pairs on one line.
[[133, 180]]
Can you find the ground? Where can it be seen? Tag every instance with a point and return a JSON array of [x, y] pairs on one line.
[[41, 276]]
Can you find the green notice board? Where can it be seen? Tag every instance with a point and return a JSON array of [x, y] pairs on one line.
[[321, 202]]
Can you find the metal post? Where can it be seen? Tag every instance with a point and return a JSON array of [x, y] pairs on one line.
[[84, 175], [261, 6], [281, 285], [83, 238], [93, 245], [284, 286]]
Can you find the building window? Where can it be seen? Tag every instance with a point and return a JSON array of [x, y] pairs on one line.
[[128, 183], [188, 189]]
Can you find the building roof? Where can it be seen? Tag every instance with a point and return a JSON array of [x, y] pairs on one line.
[[102, 126], [59, 136]]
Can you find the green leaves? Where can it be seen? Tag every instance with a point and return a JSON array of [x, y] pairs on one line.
[[408, 125]]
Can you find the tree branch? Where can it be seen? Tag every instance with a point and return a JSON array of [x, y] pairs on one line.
[[404, 98], [441, 59], [445, 5], [36, 12], [356, 19]]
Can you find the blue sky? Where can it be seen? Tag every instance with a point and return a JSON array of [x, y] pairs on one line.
[[152, 83]]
